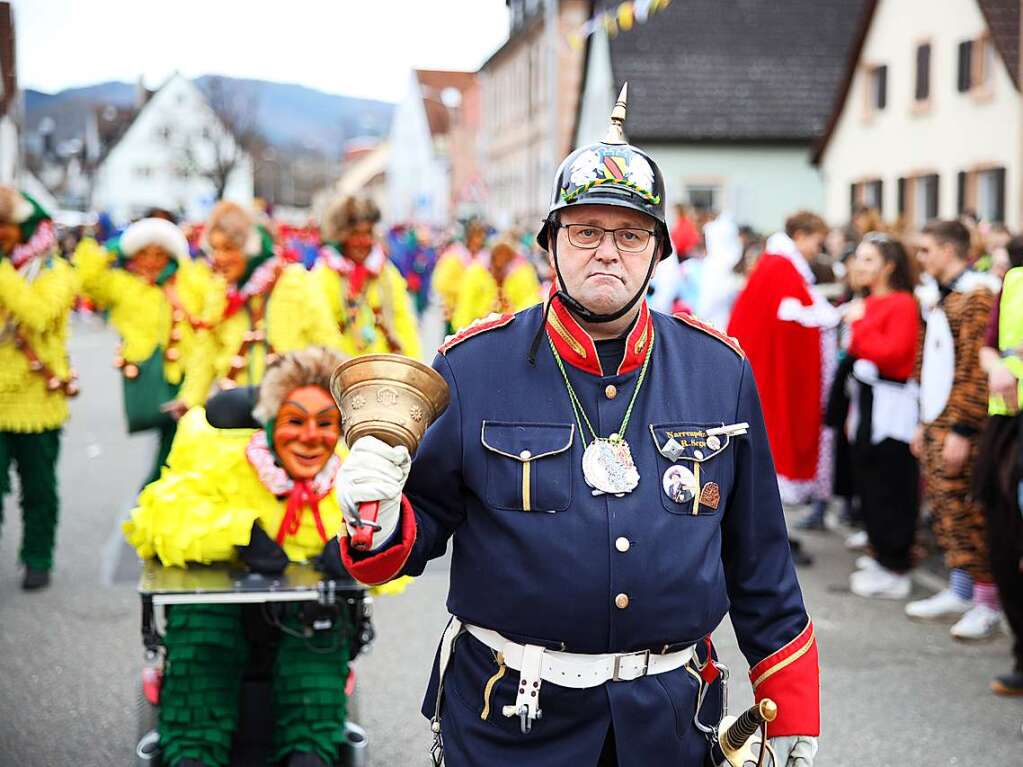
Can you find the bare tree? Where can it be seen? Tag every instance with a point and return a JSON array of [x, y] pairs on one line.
[[237, 109]]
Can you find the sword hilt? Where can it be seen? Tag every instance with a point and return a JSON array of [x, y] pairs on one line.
[[743, 728]]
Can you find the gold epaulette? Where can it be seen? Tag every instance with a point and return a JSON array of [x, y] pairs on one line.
[[710, 330], [474, 328]]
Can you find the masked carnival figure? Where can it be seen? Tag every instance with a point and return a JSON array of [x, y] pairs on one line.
[[263, 497], [259, 307], [368, 298], [453, 263], [37, 291], [501, 281], [155, 294]]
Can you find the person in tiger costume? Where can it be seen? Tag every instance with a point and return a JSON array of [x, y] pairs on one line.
[[953, 409]]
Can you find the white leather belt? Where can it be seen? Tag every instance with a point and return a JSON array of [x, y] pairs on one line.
[[582, 670]]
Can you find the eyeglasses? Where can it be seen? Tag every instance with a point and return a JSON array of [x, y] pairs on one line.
[[879, 237], [627, 240]]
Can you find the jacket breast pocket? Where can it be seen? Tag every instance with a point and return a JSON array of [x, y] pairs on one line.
[[696, 466], [529, 465]]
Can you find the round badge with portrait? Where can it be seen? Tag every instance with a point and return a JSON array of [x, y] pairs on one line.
[[679, 483]]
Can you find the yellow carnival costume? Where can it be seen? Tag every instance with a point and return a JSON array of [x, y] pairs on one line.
[[369, 303], [480, 293], [447, 276], [279, 310], [209, 496], [37, 291]]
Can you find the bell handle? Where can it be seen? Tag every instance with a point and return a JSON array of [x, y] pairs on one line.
[[361, 536]]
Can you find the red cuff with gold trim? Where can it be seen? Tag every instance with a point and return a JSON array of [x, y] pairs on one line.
[[791, 678], [381, 566]]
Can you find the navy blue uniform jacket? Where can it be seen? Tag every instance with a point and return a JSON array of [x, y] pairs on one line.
[[539, 558]]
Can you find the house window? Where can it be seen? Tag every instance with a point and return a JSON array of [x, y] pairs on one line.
[[704, 196], [918, 199], [877, 88], [866, 194], [922, 89], [976, 62], [983, 192]]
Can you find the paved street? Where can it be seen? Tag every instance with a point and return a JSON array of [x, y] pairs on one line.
[[895, 693]]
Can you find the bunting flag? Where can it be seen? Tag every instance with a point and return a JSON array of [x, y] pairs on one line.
[[620, 18]]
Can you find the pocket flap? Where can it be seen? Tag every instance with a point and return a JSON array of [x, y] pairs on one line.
[[527, 441], [688, 441]]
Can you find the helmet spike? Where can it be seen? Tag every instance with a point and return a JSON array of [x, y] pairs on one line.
[[616, 130]]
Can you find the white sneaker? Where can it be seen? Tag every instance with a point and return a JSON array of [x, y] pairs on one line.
[[943, 606], [980, 622], [879, 583], [866, 562], [857, 540]]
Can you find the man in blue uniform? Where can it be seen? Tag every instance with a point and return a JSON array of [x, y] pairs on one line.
[[605, 476]]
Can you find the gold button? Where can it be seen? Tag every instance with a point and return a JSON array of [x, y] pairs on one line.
[[610, 391], [525, 455], [622, 544], [622, 601]]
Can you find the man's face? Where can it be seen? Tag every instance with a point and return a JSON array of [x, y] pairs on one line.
[[604, 278], [149, 262], [10, 237], [359, 242], [306, 431], [228, 259], [935, 257], [809, 243]]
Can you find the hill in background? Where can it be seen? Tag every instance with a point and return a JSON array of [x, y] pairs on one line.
[[288, 116]]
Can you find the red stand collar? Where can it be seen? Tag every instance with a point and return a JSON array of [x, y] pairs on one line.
[[577, 348]]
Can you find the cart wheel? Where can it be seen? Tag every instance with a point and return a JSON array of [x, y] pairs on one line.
[[147, 744]]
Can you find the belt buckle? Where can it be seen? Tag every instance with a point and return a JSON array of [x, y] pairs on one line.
[[617, 667]]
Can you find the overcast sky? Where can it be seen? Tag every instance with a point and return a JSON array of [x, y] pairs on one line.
[[355, 47]]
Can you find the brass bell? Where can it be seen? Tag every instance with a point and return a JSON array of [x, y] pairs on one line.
[[175, 334], [178, 315], [226, 384], [131, 371], [35, 366], [237, 362], [172, 354], [71, 388], [272, 358], [53, 383], [118, 362]]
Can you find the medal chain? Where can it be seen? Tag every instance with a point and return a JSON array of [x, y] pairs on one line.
[[577, 405]]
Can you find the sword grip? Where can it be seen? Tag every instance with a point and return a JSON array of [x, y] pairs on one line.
[[743, 728], [361, 537]]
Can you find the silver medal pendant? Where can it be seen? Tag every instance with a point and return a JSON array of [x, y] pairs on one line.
[[608, 467]]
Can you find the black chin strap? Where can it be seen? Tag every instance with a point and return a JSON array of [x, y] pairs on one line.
[[580, 311]]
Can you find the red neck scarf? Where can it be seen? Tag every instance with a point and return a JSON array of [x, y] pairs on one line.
[[302, 495]]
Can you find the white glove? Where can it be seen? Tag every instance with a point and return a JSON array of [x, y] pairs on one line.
[[794, 750], [373, 471]]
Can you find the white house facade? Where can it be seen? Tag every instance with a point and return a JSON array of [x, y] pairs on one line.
[[418, 180], [930, 123], [161, 159]]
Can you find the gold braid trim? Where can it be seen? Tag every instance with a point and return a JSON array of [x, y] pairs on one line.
[[566, 337]]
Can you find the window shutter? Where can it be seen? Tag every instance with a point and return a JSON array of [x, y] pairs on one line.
[[960, 192], [932, 197], [999, 214], [923, 72], [882, 86], [902, 196], [878, 195], [852, 200], [965, 65]]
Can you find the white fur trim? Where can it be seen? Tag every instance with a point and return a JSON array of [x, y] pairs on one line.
[[22, 210], [154, 231]]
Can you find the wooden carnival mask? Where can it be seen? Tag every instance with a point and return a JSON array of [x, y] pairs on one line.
[[306, 431]]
